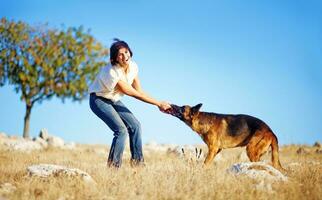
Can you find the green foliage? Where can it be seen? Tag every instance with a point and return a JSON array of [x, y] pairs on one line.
[[41, 62]]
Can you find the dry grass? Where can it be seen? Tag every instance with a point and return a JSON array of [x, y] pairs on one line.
[[164, 177]]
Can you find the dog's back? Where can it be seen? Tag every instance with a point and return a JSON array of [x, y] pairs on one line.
[[220, 131], [230, 130]]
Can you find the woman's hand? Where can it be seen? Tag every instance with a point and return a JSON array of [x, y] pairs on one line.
[[164, 106], [135, 91]]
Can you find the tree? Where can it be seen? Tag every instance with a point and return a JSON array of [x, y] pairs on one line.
[[42, 63]]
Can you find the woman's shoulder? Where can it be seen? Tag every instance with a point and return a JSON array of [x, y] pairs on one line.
[[109, 70]]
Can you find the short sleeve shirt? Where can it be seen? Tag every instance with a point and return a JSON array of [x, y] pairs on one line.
[[105, 82]]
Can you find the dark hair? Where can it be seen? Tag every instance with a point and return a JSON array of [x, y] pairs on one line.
[[115, 47]]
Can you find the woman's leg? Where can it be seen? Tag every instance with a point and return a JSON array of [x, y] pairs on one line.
[[134, 129], [104, 109]]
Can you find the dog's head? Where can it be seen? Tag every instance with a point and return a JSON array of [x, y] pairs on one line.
[[185, 113]]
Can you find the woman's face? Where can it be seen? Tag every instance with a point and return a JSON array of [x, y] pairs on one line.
[[123, 57]]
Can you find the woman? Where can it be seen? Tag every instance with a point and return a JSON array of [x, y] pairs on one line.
[[120, 77]]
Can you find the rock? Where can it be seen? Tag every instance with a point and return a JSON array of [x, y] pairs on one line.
[[258, 171], [19, 144], [70, 145], [55, 141], [44, 134], [177, 151], [47, 170], [40, 141], [317, 144], [22, 145], [43, 141], [187, 152]]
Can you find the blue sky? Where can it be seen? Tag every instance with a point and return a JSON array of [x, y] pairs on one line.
[[261, 58]]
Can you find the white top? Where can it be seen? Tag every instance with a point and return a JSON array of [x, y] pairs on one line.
[[105, 82]]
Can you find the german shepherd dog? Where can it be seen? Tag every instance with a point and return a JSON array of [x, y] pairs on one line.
[[221, 131]]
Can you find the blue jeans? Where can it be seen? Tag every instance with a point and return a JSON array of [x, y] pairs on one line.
[[122, 122]]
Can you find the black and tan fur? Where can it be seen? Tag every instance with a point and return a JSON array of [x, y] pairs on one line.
[[221, 131]]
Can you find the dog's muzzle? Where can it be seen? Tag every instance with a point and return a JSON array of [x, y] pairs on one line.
[[176, 111]]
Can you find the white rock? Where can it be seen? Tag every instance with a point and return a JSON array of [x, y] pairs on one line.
[[44, 134], [257, 170], [40, 141], [22, 145], [187, 152], [55, 141], [46, 170], [70, 145]]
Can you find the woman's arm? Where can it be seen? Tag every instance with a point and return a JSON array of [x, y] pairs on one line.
[[137, 85], [136, 91]]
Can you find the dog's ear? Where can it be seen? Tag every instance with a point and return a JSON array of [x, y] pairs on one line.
[[196, 108]]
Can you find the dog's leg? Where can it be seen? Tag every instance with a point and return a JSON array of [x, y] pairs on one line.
[[212, 152], [262, 146], [252, 147]]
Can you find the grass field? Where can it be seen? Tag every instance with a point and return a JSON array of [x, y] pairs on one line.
[[163, 177]]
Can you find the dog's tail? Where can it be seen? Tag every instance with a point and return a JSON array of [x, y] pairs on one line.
[[275, 156]]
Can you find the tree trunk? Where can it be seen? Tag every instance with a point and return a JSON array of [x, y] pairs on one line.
[[26, 121]]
